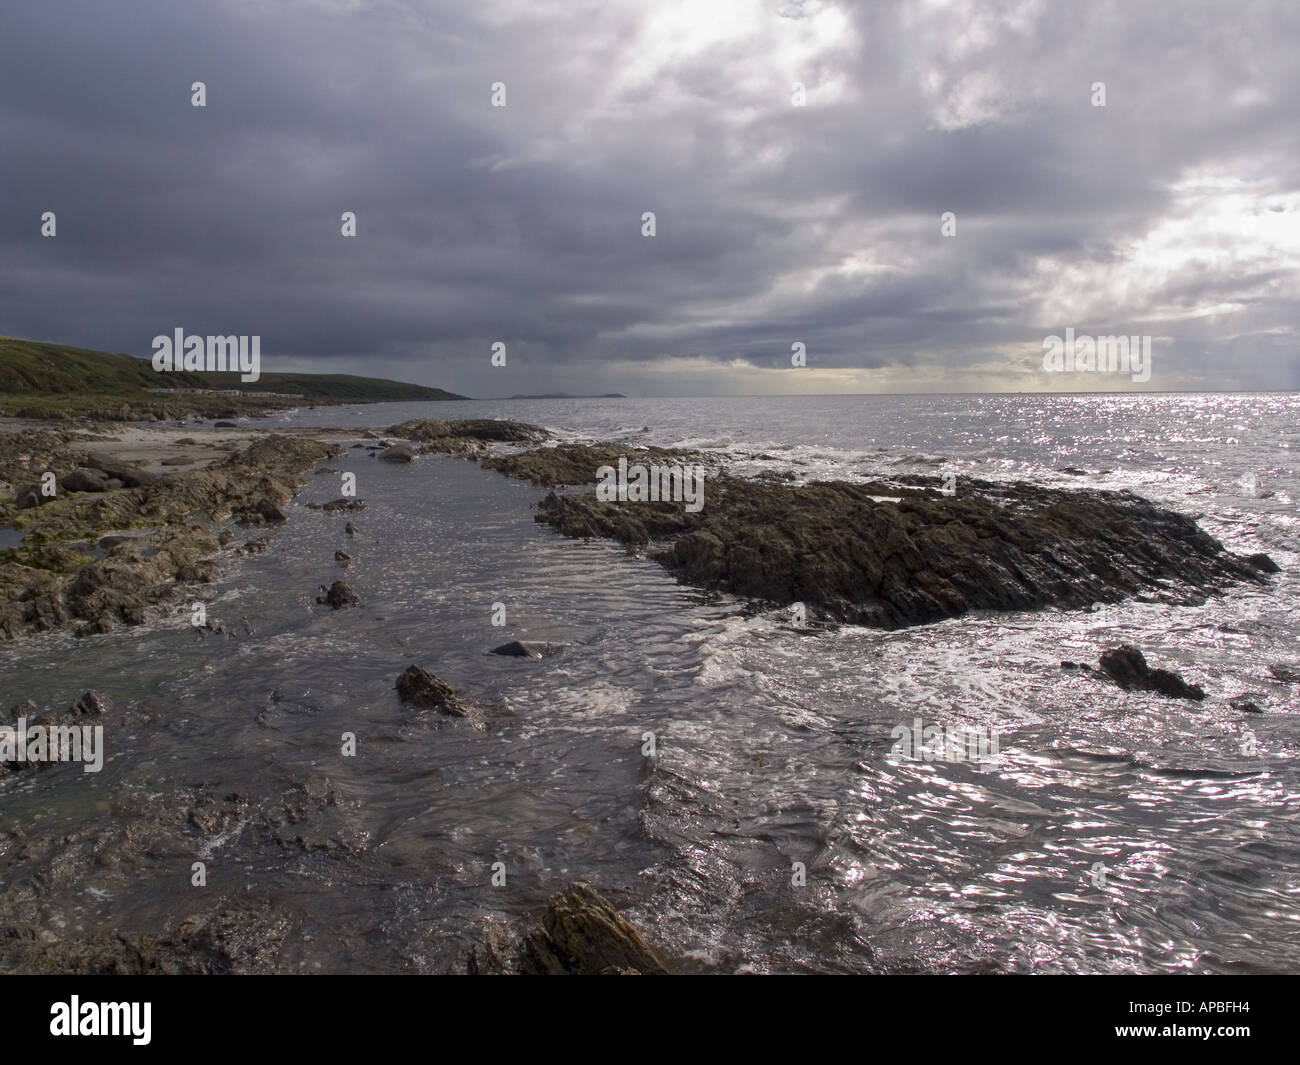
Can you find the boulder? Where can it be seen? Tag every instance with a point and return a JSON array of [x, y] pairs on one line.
[[1127, 667], [130, 476], [92, 703], [29, 496], [83, 480], [399, 453], [340, 594]]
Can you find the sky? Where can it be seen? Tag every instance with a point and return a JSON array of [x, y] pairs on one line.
[[1125, 168]]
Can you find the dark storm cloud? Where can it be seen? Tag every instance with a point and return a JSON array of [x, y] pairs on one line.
[[1171, 211]]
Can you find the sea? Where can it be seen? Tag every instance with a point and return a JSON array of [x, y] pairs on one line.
[[738, 783]]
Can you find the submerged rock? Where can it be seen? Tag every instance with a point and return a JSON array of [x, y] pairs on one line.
[[340, 505], [579, 933], [527, 649], [92, 703], [340, 594], [1127, 667], [422, 689]]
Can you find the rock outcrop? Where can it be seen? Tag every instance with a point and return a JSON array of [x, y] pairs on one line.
[[898, 554], [469, 437]]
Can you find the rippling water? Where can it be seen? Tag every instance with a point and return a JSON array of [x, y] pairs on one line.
[[773, 746]]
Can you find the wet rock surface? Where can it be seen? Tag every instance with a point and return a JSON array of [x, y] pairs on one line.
[[421, 689], [339, 594], [576, 464], [527, 649], [46, 583], [579, 933], [1128, 668], [927, 556], [469, 437], [399, 453]]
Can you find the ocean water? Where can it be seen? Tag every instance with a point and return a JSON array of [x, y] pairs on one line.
[[774, 828]]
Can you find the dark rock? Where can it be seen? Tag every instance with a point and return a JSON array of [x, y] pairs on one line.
[[264, 511], [1128, 668], [93, 703], [578, 463], [421, 688], [427, 430], [581, 933], [527, 649], [838, 547], [1263, 563], [350, 529], [29, 496], [1285, 673], [83, 480], [342, 556], [1246, 706], [340, 594], [334, 506], [224, 425], [130, 476]]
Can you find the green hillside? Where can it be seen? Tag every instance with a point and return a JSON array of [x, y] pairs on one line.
[[55, 376]]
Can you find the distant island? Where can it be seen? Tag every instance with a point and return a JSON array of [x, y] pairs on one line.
[[53, 380], [566, 395]]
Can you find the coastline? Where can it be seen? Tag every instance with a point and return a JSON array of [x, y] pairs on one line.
[[201, 505]]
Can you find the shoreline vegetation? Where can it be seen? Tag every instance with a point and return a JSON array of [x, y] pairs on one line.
[[55, 382], [141, 516]]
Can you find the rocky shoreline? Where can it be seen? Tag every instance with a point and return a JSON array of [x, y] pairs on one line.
[[884, 554], [141, 518]]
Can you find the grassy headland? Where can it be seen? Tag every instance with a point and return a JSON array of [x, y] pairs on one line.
[[56, 381]]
